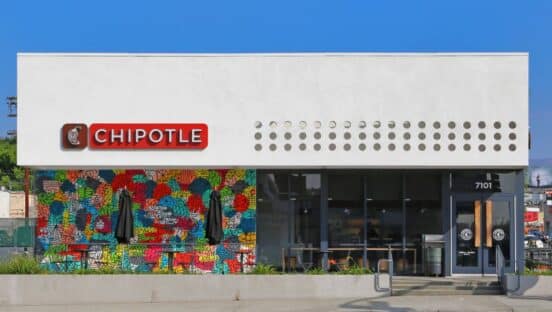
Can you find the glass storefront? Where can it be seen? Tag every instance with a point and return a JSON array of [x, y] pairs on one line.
[[367, 213], [336, 219]]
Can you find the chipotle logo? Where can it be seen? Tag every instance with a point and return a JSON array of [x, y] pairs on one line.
[[74, 136], [138, 136]]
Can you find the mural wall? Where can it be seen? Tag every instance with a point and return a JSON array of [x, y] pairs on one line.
[[169, 206]]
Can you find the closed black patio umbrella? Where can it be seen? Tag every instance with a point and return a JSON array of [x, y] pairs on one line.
[[213, 230], [125, 224]]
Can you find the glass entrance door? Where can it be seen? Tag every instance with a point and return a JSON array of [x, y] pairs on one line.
[[481, 224]]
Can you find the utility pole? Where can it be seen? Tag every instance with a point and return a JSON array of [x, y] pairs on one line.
[[11, 101], [12, 113], [27, 188]]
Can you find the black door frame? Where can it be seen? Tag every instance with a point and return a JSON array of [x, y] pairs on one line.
[[483, 267]]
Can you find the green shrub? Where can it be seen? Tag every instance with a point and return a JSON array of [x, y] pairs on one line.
[[537, 272], [316, 271], [355, 270], [530, 264], [21, 265], [261, 268]]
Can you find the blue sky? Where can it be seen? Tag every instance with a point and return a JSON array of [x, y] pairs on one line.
[[286, 26]]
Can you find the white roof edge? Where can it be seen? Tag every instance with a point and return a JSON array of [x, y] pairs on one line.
[[285, 54]]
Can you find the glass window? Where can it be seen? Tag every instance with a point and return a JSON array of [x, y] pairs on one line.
[[288, 218], [272, 217], [384, 217], [423, 214], [345, 220], [466, 253], [305, 219]]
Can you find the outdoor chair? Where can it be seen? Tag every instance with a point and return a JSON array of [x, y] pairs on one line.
[[298, 252], [346, 262]]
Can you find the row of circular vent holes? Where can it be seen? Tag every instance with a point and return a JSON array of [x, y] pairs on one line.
[[391, 147], [390, 124], [391, 136]]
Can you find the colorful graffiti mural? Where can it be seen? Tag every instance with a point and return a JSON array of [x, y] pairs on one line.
[[169, 207]]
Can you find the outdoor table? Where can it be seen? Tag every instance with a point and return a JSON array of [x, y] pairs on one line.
[[349, 249]]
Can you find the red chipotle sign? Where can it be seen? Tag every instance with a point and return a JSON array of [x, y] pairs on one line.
[[145, 136], [148, 136]]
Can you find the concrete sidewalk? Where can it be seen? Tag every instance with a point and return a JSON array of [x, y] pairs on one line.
[[404, 303]]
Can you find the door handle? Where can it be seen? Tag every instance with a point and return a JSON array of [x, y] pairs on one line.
[[489, 223], [477, 216]]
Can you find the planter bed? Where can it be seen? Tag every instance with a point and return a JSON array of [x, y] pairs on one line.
[[128, 288]]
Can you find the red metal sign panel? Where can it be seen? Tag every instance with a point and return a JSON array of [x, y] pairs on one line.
[[531, 216], [148, 136]]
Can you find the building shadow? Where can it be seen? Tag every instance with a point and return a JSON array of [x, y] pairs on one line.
[[372, 305]]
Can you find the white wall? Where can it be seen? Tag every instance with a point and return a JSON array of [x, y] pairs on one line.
[[231, 92]]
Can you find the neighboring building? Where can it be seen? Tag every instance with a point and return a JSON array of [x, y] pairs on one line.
[[4, 204], [320, 159], [12, 204]]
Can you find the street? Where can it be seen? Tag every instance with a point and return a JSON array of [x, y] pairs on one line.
[[402, 303]]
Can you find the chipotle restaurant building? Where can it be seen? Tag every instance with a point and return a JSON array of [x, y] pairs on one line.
[[321, 160]]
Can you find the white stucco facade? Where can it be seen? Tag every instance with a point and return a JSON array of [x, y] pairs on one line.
[[291, 92]]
